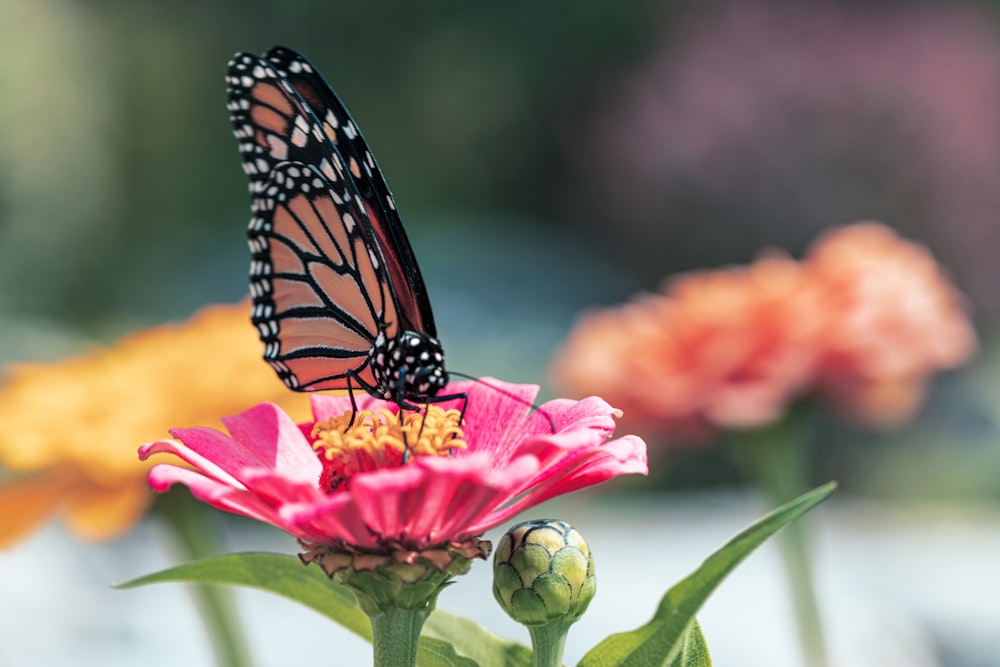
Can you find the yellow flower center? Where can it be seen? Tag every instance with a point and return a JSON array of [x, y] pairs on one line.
[[381, 439]]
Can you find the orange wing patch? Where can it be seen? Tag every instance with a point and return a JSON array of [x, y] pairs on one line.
[[326, 284]]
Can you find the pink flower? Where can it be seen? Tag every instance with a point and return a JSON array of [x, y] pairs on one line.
[[892, 319], [715, 349], [864, 321], [391, 497]]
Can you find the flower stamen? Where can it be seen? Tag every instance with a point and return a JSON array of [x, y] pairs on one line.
[[369, 440]]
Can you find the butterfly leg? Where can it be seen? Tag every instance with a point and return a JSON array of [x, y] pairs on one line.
[[354, 403], [450, 397]]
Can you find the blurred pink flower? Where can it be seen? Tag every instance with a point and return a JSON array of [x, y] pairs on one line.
[[376, 486], [717, 349], [891, 319], [863, 321], [767, 122]]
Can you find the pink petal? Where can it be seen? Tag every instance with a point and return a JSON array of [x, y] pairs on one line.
[[568, 462], [216, 494], [430, 500], [274, 441], [592, 413], [330, 519], [625, 455], [186, 454], [495, 414], [325, 406], [264, 437], [275, 489]]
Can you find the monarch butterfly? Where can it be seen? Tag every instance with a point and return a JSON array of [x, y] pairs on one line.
[[337, 296]]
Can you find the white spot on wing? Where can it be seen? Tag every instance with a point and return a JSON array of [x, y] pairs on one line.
[[327, 170], [279, 149]]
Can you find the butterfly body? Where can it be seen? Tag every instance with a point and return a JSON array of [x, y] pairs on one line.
[[338, 299], [411, 365]]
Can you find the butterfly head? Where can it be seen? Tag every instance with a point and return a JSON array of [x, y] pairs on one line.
[[408, 367]]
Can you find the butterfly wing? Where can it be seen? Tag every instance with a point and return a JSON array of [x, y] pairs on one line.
[[274, 125], [341, 130], [301, 313], [321, 295]]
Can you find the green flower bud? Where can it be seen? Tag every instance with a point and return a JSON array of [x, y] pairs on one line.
[[543, 573]]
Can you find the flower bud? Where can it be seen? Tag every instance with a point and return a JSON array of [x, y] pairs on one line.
[[543, 573]]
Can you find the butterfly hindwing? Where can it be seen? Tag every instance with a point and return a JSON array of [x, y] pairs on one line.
[[310, 245]]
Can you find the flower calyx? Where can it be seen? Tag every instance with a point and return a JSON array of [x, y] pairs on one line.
[[401, 579]]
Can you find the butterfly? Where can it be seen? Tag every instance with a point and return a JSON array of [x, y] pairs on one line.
[[337, 296]]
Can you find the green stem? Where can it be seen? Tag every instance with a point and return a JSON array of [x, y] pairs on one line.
[[547, 643], [395, 636], [398, 598], [194, 537], [777, 456]]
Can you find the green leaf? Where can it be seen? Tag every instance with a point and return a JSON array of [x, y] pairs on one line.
[[473, 641], [447, 640], [661, 640], [693, 651], [439, 653], [277, 573]]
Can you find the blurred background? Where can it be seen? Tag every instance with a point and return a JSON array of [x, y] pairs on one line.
[[545, 157]]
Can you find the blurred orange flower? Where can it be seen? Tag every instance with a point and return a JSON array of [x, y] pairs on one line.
[[720, 349], [863, 320], [69, 430], [892, 318]]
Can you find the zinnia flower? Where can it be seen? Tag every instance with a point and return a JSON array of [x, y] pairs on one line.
[[374, 485], [68, 429], [891, 319], [722, 349], [863, 321]]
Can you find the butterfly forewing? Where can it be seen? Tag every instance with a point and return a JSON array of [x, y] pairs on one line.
[[344, 133], [274, 125]]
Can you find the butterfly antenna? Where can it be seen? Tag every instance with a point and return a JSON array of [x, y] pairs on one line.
[[537, 408]]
